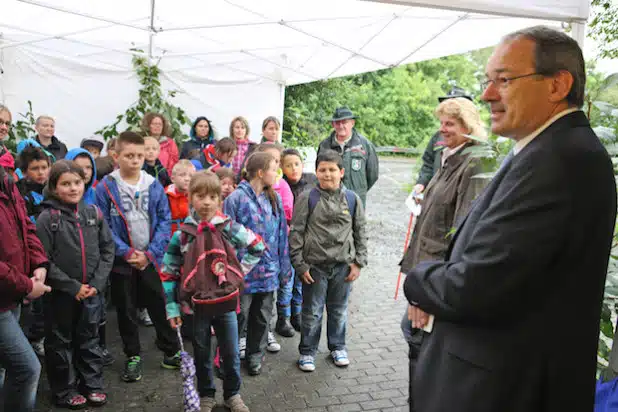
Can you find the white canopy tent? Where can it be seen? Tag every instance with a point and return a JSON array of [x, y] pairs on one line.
[[72, 58]]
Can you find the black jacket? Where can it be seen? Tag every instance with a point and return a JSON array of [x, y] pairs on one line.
[[307, 181], [79, 246], [517, 299], [33, 196], [431, 160], [56, 147], [158, 172]]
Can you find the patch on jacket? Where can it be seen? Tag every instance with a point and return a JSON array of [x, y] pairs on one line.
[[356, 164]]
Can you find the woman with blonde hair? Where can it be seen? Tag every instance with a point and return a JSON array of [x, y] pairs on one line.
[[239, 131], [157, 126], [447, 197]]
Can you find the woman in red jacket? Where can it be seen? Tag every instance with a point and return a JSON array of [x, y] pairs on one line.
[[23, 269]]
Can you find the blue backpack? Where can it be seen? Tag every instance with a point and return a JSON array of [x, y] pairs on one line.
[[314, 198]]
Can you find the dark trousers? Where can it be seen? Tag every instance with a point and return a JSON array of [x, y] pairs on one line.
[[254, 317], [226, 330], [72, 353], [141, 287], [329, 289], [35, 328]]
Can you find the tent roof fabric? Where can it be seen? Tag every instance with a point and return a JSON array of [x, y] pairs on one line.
[[283, 41]]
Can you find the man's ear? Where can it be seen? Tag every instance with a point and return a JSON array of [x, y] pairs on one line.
[[342, 172]]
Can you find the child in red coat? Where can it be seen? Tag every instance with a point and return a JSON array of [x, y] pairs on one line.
[[178, 192]]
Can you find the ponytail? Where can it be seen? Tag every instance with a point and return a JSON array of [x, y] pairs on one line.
[[261, 161]]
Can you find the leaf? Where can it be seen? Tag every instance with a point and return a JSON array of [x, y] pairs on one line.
[[609, 82], [604, 107]]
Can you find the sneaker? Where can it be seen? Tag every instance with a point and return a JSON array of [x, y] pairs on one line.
[[132, 370], [107, 357], [171, 362], [242, 347], [272, 345], [39, 347], [296, 322], [236, 404], [340, 357], [306, 363], [284, 328], [144, 317], [254, 368], [97, 399], [207, 404]]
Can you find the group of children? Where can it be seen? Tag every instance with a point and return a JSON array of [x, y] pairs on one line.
[[213, 239]]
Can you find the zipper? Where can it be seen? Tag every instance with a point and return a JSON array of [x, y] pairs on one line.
[[81, 241]]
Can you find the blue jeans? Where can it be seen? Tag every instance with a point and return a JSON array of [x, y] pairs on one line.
[[19, 376], [226, 330], [290, 297], [330, 289]]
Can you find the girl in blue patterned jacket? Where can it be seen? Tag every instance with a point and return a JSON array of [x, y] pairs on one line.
[[255, 205]]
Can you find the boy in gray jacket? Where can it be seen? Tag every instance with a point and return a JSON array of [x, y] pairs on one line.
[[328, 248]]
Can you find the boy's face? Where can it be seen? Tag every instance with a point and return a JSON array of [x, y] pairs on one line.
[[329, 175], [152, 149], [182, 177], [86, 165], [38, 171], [227, 157], [94, 151], [227, 186], [292, 168], [205, 204], [45, 128], [129, 157]]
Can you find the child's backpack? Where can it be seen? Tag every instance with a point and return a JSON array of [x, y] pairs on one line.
[[314, 198], [94, 216], [212, 277]]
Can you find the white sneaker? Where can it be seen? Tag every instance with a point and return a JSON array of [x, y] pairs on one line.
[[340, 357], [242, 347], [273, 345], [306, 363]]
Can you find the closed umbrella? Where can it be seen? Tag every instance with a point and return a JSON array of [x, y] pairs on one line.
[[190, 397]]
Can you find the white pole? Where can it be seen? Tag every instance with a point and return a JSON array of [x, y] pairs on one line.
[[578, 32], [282, 105]]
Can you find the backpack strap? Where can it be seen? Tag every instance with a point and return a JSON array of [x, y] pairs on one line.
[[55, 219], [94, 214], [314, 198], [350, 197]]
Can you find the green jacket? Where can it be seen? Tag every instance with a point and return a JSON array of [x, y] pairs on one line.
[[360, 162], [329, 234], [431, 160]]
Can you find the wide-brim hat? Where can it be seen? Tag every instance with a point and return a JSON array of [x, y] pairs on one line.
[[455, 92], [342, 113]]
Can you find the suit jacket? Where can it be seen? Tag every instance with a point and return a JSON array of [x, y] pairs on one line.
[[517, 299]]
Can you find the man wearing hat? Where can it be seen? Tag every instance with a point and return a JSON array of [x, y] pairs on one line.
[[431, 162], [360, 160]]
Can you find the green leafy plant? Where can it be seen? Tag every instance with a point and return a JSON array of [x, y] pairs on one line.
[[151, 99], [21, 129]]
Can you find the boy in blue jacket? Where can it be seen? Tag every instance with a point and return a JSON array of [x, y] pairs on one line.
[[136, 209], [84, 159]]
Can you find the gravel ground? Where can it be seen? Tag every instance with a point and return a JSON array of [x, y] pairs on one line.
[[376, 380]]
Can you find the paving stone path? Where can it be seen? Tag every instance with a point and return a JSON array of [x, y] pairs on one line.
[[377, 378]]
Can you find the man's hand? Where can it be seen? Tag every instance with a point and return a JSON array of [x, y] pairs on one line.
[[83, 293], [38, 289], [354, 273], [418, 318], [175, 322], [306, 278], [91, 292], [40, 275], [419, 188]]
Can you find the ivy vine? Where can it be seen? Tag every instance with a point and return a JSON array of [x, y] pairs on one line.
[[151, 99]]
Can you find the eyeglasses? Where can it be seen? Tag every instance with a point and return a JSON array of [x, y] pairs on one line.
[[503, 82], [7, 124]]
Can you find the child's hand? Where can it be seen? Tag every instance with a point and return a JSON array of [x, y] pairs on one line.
[[142, 261], [306, 278], [354, 273], [83, 293], [175, 322]]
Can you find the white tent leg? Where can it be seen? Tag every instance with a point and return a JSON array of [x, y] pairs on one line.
[[578, 32], [152, 29], [282, 107]]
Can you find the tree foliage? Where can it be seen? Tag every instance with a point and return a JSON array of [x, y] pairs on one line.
[[604, 27], [151, 99], [394, 107]]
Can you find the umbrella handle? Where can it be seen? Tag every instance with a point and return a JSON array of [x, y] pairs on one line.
[[182, 346]]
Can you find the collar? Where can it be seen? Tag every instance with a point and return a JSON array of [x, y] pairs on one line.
[[448, 152], [520, 144]]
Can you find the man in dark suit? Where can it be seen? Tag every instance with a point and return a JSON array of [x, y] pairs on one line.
[[517, 300]]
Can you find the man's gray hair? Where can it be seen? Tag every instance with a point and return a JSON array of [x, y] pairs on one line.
[[556, 51]]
